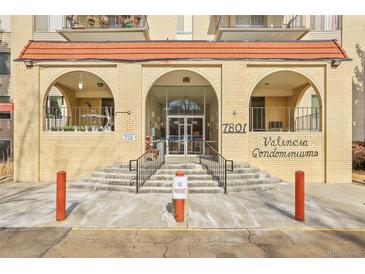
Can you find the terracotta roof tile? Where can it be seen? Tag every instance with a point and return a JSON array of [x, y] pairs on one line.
[[162, 50]]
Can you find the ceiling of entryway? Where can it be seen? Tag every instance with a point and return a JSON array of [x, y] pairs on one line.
[[279, 84]]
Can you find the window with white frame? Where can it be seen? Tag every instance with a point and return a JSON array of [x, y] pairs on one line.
[[47, 23], [4, 63], [250, 20], [184, 24], [325, 22], [5, 149]]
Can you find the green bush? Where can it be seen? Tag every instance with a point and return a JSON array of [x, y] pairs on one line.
[[358, 155]]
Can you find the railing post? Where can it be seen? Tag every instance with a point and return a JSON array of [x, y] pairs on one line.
[[137, 176], [225, 177]]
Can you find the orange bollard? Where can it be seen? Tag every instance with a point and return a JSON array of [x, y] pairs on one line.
[[179, 204], [61, 196], [299, 196]]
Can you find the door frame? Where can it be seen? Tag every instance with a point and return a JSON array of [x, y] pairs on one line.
[[185, 117]]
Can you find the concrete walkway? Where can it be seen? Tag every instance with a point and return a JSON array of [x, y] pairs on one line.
[[327, 206]]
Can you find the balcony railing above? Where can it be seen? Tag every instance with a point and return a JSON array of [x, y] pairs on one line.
[[105, 27], [261, 21], [105, 22], [79, 119], [289, 119], [260, 27]]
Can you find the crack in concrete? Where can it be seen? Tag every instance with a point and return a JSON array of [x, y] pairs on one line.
[[249, 238], [188, 246], [164, 254], [57, 243]]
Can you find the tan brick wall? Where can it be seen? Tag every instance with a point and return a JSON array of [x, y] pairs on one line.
[[353, 40], [285, 166], [40, 154]]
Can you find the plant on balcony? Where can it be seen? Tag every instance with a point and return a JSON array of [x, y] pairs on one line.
[[104, 20], [89, 128], [82, 128], [91, 21]]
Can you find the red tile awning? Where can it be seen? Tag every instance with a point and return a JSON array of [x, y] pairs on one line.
[[181, 50]]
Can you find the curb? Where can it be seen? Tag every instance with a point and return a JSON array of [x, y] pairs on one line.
[[358, 182]]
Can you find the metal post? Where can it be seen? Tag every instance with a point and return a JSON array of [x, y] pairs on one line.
[[61, 196], [225, 177], [137, 176], [299, 196]]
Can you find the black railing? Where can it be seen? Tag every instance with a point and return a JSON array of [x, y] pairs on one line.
[[79, 119], [105, 22], [216, 164], [147, 164]]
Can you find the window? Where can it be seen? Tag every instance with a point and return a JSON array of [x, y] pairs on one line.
[[184, 24], [180, 23], [5, 150], [325, 22], [5, 115], [41, 23], [4, 63], [250, 20]]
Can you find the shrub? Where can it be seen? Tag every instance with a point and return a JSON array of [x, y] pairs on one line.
[[6, 168], [358, 155]]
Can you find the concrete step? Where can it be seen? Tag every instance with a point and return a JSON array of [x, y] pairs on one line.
[[191, 184], [112, 175], [167, 177], [261, 187], [195, 190], [186, 171], [106, 187], [109, 181], [117, 170], [252, 181], [120, 165], [181, 166], [243, 170], [242, 176]]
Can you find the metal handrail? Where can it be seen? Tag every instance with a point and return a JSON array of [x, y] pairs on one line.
[[216, 164], [147, 164]]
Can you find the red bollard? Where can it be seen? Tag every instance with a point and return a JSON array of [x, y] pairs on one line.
[[61, 196], [299, 196], [179, 204]]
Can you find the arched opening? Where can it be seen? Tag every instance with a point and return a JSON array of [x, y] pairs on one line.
[[182, 108], [79, 101], [285, 101]]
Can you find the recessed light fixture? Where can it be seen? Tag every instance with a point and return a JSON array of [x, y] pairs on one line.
[[186, 80], [266, 84], [100, 85], [81, 83]]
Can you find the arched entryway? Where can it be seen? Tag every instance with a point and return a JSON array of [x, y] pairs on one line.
[[79, 101], [182, 108], [285, 101]]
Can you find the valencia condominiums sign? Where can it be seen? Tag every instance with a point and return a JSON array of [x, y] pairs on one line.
[[282, 148]]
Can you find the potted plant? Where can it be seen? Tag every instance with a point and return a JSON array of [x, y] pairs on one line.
[[90, 21], [89, 128]]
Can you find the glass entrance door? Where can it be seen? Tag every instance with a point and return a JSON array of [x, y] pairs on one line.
[[185, 134], [195, 134], [176, 135]]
